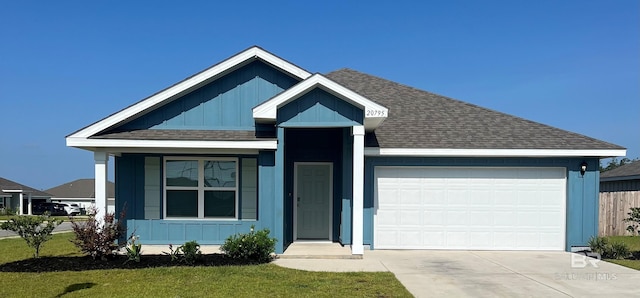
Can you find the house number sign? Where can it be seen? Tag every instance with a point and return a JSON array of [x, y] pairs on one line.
[[375, 113]]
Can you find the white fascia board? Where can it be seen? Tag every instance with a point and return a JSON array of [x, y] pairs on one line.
[[16, 190], [116, 143], [373, 151], [251, 53], [269, 109]]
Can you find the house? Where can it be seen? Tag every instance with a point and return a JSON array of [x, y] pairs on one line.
[[16, 196], [82, 192], [344, 157], [619, 192]]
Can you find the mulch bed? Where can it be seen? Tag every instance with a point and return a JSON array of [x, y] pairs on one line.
[[56, 264]]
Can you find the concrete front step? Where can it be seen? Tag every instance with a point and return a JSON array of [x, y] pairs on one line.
[[318, 250]]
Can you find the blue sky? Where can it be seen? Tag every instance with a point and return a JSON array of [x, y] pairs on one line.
[[574, 65]]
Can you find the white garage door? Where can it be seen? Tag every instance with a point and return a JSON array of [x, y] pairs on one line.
[[470, 208]]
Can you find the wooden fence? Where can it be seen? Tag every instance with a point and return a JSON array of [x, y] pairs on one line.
[[614, 207]]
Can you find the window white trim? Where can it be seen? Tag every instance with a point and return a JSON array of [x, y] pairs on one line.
[[201, 188]]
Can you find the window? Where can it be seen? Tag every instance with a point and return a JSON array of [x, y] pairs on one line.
[[201, 187]]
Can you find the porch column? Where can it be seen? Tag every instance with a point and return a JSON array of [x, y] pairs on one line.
[[358, 190], [101, 161], [21, 205], [29, 210]]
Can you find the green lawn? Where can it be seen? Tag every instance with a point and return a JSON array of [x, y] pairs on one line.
[[634, 245], [238, 281]]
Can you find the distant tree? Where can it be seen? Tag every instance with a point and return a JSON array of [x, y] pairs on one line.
[[614, 163]]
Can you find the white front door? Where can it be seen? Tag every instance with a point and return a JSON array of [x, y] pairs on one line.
[[313, 193]]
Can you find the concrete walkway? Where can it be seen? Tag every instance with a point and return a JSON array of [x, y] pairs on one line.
[[488, 273]]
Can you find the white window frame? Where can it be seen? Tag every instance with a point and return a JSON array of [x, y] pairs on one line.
[[200, 188]]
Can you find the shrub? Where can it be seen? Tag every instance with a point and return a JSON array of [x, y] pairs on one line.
[[188, 253], [634, 218], [598, 245], [615, 250], [618, 250], [98, 238], [35, 230], [254, 246], [191, 252]]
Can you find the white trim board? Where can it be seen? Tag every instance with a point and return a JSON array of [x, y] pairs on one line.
[[374, 114], [189, 84], [372, 151], [119, 143]]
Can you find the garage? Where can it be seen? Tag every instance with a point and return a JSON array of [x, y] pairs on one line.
[[478, 208]]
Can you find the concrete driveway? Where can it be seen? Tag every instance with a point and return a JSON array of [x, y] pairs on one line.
[[432, 273], [507, 274]]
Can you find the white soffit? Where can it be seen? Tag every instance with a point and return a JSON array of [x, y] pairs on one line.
[[189, 83], [374, 113], [372, 151]]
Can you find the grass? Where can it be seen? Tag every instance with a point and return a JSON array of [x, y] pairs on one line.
[[633, 242], [238, 281]]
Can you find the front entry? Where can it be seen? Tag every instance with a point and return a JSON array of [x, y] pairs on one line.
[[313, 195]]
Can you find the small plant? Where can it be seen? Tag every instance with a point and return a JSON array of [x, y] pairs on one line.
[[598, 245], [187, 253], [634, 218], [35, 230], [134, 250], [191, 252], [254, 246], [618, 250], [98, 238], [8, 211], [615, 250], [175, 255]]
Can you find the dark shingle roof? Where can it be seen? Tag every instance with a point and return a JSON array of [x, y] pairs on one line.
[[419, 119], [81, 188], [184, 135], [628, 170], [8, 185]]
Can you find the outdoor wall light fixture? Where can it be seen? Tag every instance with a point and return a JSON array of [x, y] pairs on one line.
[[583, 168]]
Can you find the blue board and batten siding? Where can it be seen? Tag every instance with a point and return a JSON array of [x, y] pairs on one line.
[[139, 193], [581, 195], [224, 104], [318, 108], [304, 126]]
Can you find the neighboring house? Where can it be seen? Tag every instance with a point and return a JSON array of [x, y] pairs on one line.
[[20, 197], [619, 192], [82, 192], [344, 157]]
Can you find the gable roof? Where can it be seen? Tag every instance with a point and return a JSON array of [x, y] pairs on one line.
[[81, 138], [8, 187], [81, 188], [629, 171], [419, 119], [416, 122], [267, 111]]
